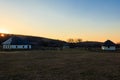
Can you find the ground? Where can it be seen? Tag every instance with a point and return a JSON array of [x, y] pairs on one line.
[[72, 64]]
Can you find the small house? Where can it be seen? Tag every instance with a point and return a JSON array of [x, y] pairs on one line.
[[109, 45], [16, 43]]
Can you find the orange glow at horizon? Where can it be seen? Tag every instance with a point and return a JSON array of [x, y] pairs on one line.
[[2, 35]]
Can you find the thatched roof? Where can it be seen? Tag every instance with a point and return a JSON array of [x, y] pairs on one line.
[[16, 41], [109, 43]]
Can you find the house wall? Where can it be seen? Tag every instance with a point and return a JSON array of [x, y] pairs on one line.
[[16, 46], [29, 46], [108, 48]]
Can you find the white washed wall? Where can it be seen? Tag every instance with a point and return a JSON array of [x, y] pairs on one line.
[[30, 46], [108, 48], [16, 46], [12, 46]]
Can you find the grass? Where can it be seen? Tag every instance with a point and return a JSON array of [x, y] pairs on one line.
[[73, 64]]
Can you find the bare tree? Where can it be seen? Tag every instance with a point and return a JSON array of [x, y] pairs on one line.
[[78, 40], [70, 40], [118, 42]]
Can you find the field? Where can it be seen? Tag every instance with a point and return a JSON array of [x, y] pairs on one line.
[[73, 64]]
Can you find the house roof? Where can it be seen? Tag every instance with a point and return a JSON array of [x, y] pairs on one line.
[[16, 41], [109, 43]]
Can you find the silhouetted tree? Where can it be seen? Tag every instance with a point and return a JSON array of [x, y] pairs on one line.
[[70, 40], [78, 40]]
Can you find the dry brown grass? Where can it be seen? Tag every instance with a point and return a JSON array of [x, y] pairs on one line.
[[74, 64]]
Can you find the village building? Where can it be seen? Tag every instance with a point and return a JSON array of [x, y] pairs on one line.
[[109, 45], [16, 43]]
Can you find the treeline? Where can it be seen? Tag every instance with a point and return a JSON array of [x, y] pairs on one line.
[[77, 42], [87, 44]]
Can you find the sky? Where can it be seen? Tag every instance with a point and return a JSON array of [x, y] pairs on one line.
[[90, 20]]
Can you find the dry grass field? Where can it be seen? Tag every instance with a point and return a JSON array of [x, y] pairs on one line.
[[73, 64]]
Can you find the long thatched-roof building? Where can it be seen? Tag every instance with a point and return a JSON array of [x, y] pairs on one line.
[[16, 43]]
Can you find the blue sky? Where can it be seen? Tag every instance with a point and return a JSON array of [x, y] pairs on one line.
[[95, 20]]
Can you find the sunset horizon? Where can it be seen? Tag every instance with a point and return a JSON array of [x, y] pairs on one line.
[[89, 20], [66, 40]]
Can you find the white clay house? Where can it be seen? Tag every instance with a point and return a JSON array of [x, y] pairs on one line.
[[109, 45], [16, 43]]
